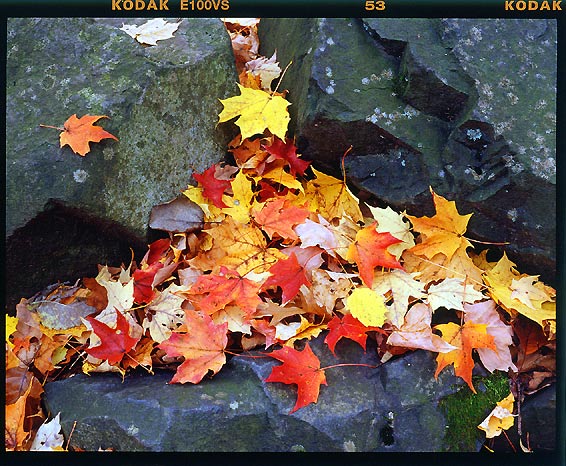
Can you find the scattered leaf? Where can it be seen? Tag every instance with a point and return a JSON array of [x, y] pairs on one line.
[[79, 132], [151, 31], [301, 368]]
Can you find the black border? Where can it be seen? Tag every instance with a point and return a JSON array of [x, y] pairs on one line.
[[323, 8]]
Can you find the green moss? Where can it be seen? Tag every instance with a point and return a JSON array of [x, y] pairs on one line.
[[464, 410]]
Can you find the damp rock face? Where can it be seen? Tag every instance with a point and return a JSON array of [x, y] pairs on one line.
[[391, 408], [467, 106], [162, 104]]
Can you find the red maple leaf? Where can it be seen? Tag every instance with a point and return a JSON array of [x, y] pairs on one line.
[[267, 191], [114, 342], [211, 293], [202, 346], [213, 188], [347, 327], [279, 216], [288, 152], [370, 250], [301, 368], [289, 275], [143, 283], [157, 250]]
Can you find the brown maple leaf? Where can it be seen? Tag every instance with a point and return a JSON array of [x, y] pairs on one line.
[[79, 132]]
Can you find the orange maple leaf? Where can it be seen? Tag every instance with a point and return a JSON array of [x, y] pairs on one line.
[[370, 250], [213, 292], [79, 132], [202, 346], [301, 368], [465, 338], [279, 216]]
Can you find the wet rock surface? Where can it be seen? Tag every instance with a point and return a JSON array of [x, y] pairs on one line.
[[391, 408], [434, 102]]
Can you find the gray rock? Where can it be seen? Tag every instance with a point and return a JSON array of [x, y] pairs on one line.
[[391, 408], [433, 102], [162, 102]]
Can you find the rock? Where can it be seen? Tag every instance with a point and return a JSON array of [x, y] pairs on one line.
[[66, 213], [391, 408], [433, 102], [162, 104]]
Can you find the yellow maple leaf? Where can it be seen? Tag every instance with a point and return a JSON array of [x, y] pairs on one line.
[[442, 233], [211, 212], [502, 282], [500, 419], [11, 323], [389, 221], [240, 203], [257, 110], [331, 198], [278, 175], [367, 306], [439, 267], [240, 247]]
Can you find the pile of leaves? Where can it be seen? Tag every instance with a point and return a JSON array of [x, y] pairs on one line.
[[286, 252]]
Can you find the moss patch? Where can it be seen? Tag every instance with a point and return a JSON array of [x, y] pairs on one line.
[[464, 410]]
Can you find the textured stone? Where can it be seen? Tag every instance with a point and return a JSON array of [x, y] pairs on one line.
[[391, 408], [162, 102], [65, 213], [434, 102]]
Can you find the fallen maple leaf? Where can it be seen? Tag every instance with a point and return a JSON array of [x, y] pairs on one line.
[[331, 198], [367, 306], [301, 368], [288, 151], [257, 110], [151, 31], [442, 233], [370, 250], [390, 221], [486, 313], [465, 338], [79, 132], [506, 289], [452, 293], [347, 327], [278, 216], [48, 436], [500, 419], [115, 342], [289, 275], [416, 332], [202, 346], [213, 292], [267, 69], [213, 188]]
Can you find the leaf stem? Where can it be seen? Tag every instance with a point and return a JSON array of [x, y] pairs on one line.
[[52, 127], [348, 364]]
